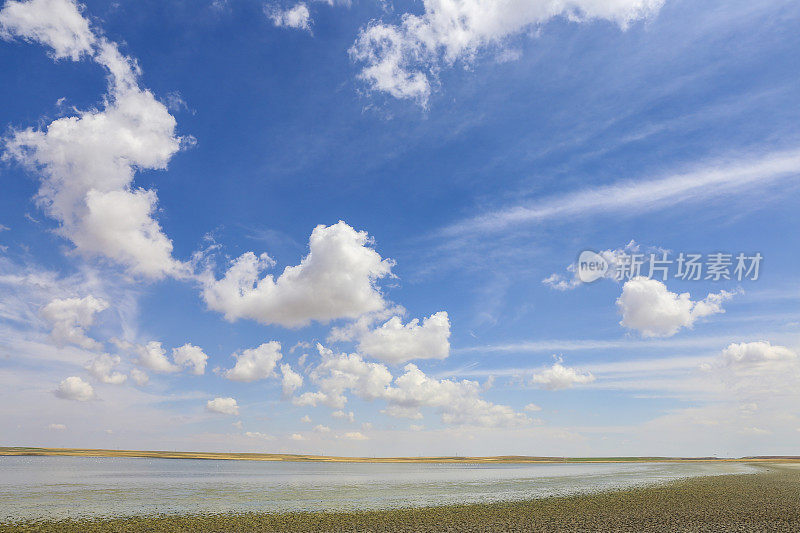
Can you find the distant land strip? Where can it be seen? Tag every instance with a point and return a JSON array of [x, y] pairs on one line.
[[162, 454]]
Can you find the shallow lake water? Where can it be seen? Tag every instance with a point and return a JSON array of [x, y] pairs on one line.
[[34, 487]]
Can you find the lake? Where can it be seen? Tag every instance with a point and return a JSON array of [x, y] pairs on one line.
[[61, 487]]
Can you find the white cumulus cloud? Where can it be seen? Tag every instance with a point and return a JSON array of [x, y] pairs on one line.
[[757, 370], [338, 373], [71, 317], [290, 380], [458, 402], [192, 357], [58, 24], [75, 388], [87, 161], [102, 369], [751, 354], [139, 377], [256, 363], [335, 280], [394, 342], [258, 435], [349, 415], [354, 435], [225, 406], [561, 377], [154, 357], [298, 17], [648, 307], [120, 225], [402, 59]]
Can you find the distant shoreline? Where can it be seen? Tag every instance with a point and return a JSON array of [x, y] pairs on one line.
[[500, 459]]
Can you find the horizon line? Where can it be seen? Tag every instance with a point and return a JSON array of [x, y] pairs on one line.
[[10, 451]]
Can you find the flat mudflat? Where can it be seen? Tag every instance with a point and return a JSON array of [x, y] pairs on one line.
[[766, 501]]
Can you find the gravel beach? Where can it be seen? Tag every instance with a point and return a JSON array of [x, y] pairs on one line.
[[767, 501]]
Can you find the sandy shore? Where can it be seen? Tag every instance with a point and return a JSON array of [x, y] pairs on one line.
[[767, 501]]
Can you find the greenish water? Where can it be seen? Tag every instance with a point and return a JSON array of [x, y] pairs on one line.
[[60, 487]]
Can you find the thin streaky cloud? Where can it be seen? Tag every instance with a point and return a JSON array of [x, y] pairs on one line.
[[567, 345], [625, 369], [638, 196]]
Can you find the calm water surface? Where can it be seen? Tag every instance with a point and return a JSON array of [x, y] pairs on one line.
[[62, 487]]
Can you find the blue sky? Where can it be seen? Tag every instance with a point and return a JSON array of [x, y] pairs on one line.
[[153, 151]]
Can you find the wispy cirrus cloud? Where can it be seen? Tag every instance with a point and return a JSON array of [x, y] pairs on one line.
[[710, 180], [569, 345]]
